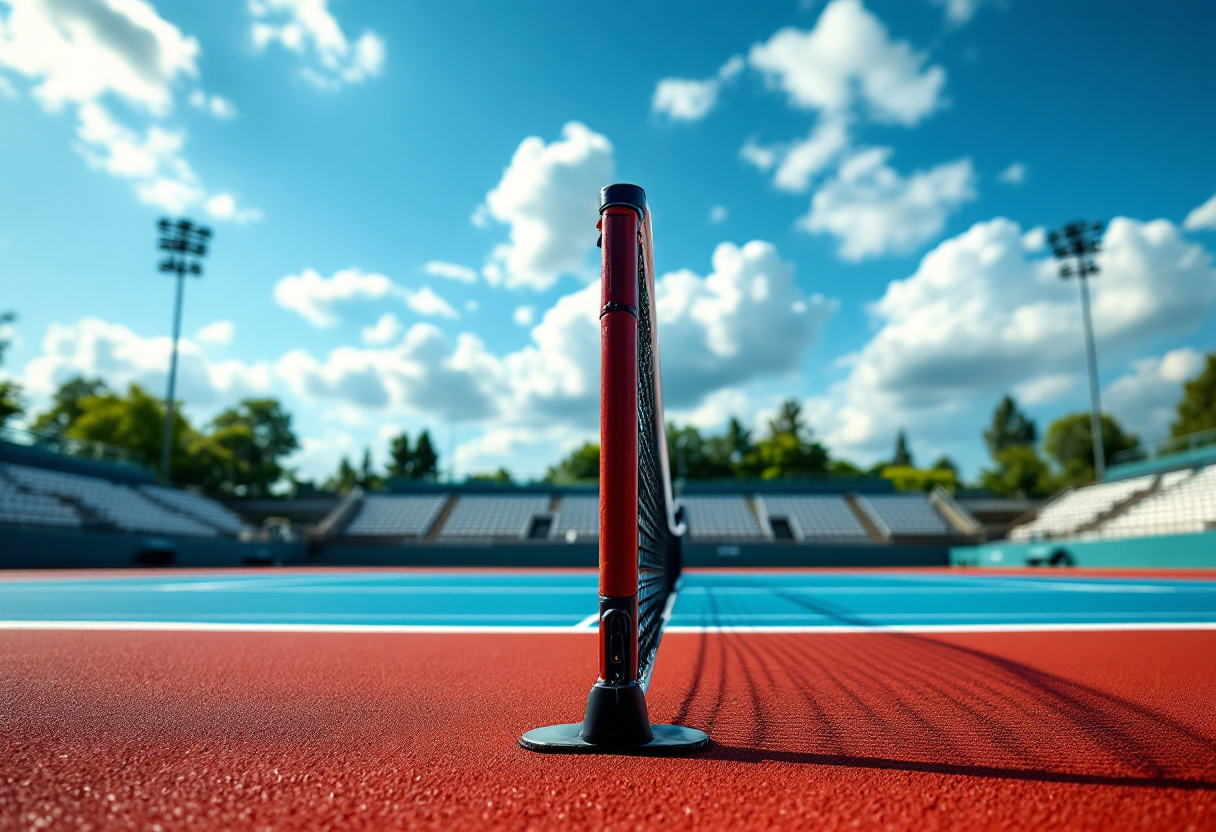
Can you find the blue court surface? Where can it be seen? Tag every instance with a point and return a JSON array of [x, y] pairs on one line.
[[521, 601]]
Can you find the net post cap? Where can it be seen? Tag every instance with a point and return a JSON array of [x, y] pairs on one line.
[[624, 195]]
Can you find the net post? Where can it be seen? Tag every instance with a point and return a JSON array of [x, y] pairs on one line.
[[616, 718]]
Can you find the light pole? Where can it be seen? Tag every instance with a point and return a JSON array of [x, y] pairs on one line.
[[1075, 246], [185, 244]]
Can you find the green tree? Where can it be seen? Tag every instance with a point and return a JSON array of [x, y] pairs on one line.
[[502, 475], [1010, 427], [1197, 410], [945, 463], [65, 404], [789, 450], [581, 465], [256, 436], [907, 478], [134, 422], [344, 479], [400, 456], [1019, 472], [412, 463], [12, 398], [1069, 442], [426, 458], [902, 457]]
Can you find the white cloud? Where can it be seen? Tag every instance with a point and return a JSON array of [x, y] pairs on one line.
[[95, 348], [316, 298], [548, 197], [1146, 399], [873, 210], [450, 271], [424, 301], [217, 333], [980, 317], [217, 106], [386, 330], [1203, 217], [525, 315], [799, 162], [746, 320], [686, 99], [718, 214], [1035, 239], [224, 207], [959, 12], [79, 51], [848, 62], [306, 27], [1015, 174]]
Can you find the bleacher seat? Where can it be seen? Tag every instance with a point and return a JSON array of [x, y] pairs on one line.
[[199, 507], [482, 516], [721, 518], [816, 517], [1185, 503], [17, 506], [396, 516], [904, 515], [1081, 507], [577, 513], [124, 507]]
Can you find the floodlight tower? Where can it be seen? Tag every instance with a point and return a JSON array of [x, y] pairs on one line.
[[186, 245], [1075, 246]]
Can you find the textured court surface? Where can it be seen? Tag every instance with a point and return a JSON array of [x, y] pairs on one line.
[[861, 728]]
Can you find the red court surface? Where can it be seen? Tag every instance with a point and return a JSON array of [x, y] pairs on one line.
[[144, 730]]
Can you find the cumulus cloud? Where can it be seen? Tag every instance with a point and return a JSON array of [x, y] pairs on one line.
[[794, 165], [450, 271], [217, 106], [873, 210], [386, 330], [1015, 174], [980, 317], [1146, 399], [95, 348], [686, 99], [847, 62], [525, 315], [216, 334], [316, 298], [547, 196], [309, 29], [1203, 217], [78, 51], [959, 12]]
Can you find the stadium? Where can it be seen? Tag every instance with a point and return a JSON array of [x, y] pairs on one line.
[[709, 597]]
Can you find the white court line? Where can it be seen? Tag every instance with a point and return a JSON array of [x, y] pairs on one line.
[[943, 628], [586, 623], [210, 626]]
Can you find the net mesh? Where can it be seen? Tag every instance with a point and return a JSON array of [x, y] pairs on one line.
[[658, 547]]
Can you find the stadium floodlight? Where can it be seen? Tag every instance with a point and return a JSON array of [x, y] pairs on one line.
[[185, 245], [1075, 246], [640, 531]]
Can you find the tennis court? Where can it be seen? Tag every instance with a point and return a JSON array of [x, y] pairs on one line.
[[396, 698]]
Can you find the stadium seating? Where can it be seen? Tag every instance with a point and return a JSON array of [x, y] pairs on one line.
[[577, 513], [26, 508], [396, 516], [1082, 507], [904, 515], [481, 516], [198, 507], [721, 518], [119, 505], [1184, 503], [813, 517]]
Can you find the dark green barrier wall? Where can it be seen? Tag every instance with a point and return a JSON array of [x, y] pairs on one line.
[[1182, 551]]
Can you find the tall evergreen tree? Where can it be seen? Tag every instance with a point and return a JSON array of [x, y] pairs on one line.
[[426, 458], [1197, 410], [903, 456], [1010, 427]]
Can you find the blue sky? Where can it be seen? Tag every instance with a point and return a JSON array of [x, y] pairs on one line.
[[849, 201]]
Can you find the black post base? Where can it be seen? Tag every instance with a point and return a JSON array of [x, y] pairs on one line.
[[616, 723]]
